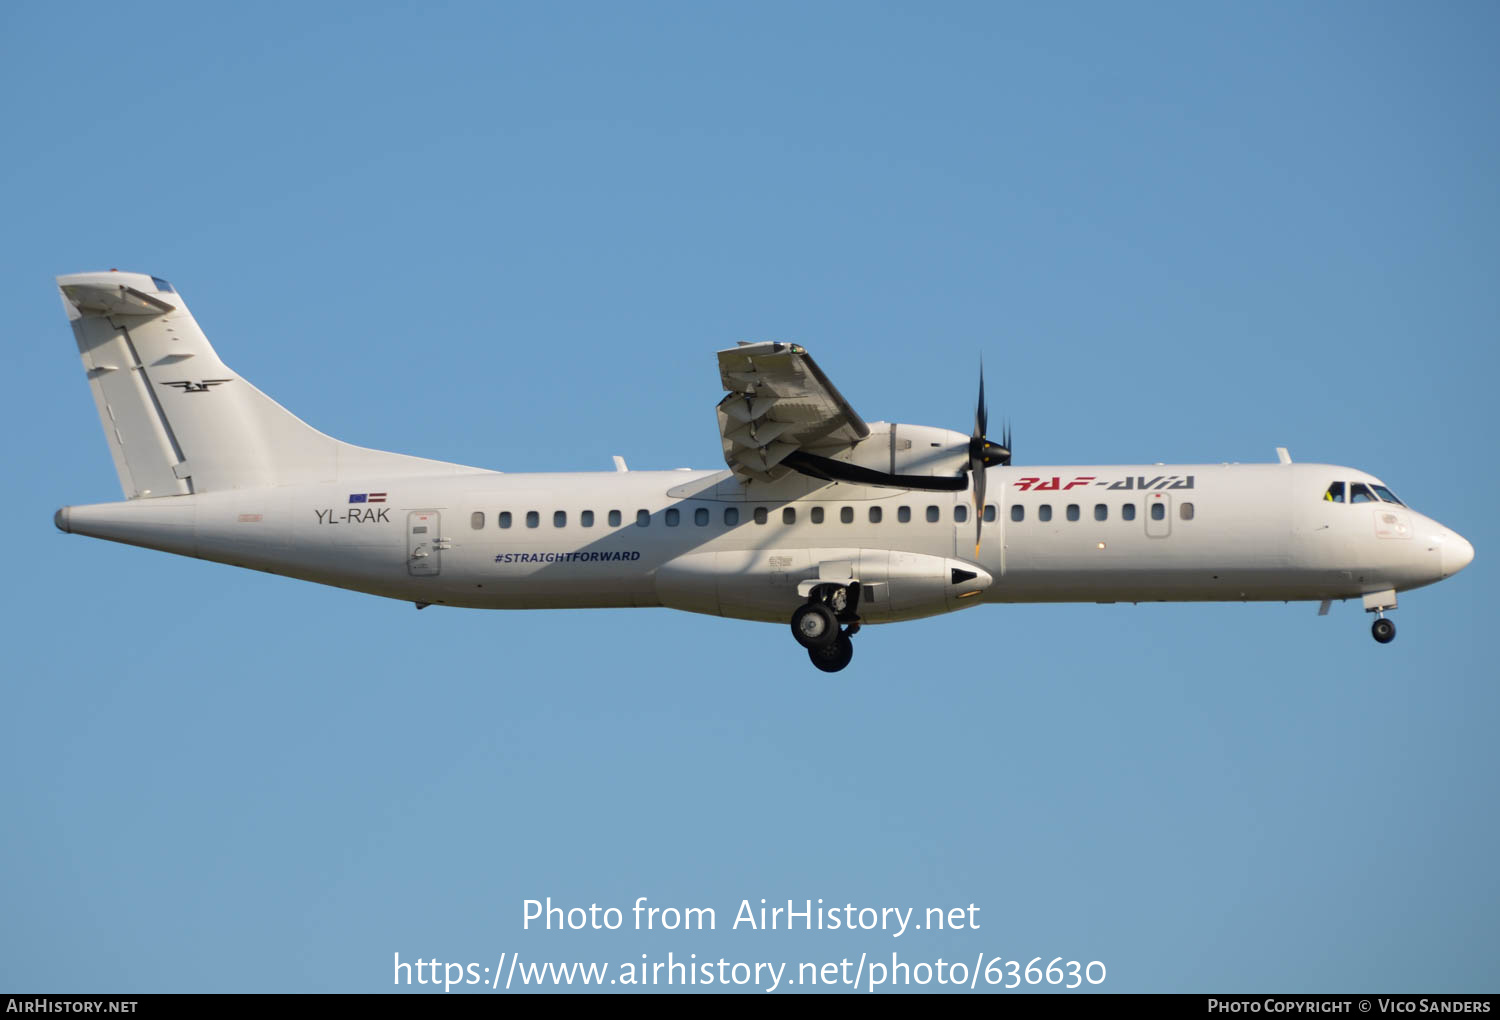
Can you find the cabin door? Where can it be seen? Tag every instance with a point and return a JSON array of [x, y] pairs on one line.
[[423, 543]]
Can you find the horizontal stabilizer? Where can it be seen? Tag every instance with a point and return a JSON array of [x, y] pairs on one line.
[[91, 297]]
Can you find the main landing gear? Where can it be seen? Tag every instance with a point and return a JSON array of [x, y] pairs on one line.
[[817, 625], [1383, 630]]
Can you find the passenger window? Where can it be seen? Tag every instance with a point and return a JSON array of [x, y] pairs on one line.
[[989, 513], [731, 515], [1127, 512], [1072, 511], [559, 518], [1044, 512], [504, 518], [1017, 512], [1101, 512], [614, 518], [1158, 511], [1335, 493], [1359, 494], [817, 515], [876, 514], [533, 519], [1386, 494], [789, 515], [673, 516], [903, 514], [642, 518], [960, 513], [1185, 511], [476, 520], [586, 518], [932, 515], [846, 515], [700, 516], [760, 515]]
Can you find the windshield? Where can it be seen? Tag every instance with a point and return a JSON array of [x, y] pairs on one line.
[[1359, 492]]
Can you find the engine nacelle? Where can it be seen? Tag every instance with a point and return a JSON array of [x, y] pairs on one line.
[[900, 449]]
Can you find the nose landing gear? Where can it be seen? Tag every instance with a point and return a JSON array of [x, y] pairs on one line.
[[1378, 602], [816, 625]]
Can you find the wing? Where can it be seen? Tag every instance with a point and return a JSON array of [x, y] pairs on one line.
[[779, 404]]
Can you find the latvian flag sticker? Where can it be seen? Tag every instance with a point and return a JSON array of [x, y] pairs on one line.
[[367, 497]]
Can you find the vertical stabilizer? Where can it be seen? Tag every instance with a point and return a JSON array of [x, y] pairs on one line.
[[178, 420]]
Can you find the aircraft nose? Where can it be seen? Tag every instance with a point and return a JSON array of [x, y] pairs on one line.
[[1457, 554]]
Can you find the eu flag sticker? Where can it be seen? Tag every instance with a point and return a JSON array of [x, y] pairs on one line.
[[357, 497]]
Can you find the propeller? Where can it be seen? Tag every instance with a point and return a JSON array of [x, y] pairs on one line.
[[984, 454]]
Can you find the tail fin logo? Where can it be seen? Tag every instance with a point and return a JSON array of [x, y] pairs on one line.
[[202, 386]]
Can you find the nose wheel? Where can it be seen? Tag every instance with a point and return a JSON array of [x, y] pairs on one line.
[[1383, 630], [816, 625]]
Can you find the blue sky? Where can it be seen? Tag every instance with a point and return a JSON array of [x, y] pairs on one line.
[[513, 236]]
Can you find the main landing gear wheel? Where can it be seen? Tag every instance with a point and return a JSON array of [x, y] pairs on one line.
[[1383, 630], [834, 657], [826, 623], [815, 626]]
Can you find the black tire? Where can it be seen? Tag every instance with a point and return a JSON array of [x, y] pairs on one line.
[[835, 657], [1383, 630], [814, 625]]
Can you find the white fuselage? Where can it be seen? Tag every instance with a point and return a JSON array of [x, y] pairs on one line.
[[823, 520], [712, 544]]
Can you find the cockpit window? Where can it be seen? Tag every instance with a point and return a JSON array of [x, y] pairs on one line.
[[162, 285], [1335, 493], [1360, 493], [1386, 494]]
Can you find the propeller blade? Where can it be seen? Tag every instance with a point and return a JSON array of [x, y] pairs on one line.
[[979, 479], [981, 413], [977, 444]]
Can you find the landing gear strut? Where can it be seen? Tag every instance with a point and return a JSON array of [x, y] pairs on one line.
[[816, 625]]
